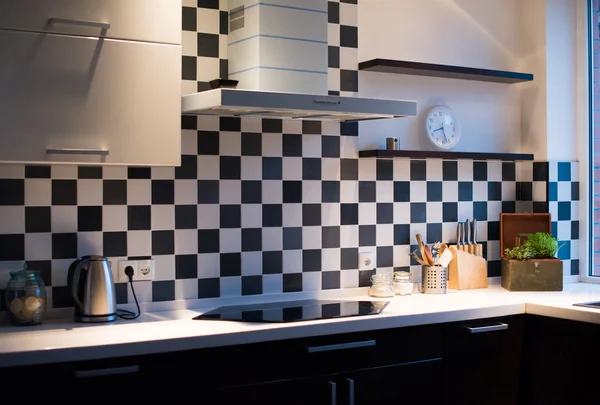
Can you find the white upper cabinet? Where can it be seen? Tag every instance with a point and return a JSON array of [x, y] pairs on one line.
[[138, 20], [86, 100], [89, 99]]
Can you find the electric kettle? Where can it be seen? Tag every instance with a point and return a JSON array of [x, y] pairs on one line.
[[91, 286]]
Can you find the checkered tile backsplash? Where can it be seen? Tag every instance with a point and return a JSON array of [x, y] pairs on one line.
[[257, 206], [554, 187]]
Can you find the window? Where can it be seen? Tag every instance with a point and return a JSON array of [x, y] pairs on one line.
[[594, 129]]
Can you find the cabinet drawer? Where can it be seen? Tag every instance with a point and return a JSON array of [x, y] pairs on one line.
[[326, 355], [482, 361], [140, 20], [90, 96], [481, 337]]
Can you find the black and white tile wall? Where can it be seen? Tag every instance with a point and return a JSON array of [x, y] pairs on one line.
[[554, 187], [258, 206]]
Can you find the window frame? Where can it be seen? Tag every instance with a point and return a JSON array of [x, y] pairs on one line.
[[585, 125]]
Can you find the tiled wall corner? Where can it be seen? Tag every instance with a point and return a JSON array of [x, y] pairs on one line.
[[343, 47], [563, 204], [553, 187], [205, 25]]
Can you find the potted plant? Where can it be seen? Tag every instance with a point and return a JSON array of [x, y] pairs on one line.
[[533, 265]]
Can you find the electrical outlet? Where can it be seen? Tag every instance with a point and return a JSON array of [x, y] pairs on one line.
[[366, 260], [145, 270], [124, 263]]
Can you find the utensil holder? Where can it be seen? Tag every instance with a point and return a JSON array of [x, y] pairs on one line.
[[433, 280]]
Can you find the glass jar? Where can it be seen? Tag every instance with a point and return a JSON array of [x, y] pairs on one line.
[[381, 286], [25, 297], [403, 284]]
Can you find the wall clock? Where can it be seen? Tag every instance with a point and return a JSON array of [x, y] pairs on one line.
[[442, 128]]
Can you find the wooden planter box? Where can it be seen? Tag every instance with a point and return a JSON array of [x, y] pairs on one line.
[[532, 274]]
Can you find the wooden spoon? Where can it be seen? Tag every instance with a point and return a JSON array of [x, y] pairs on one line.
[[429, 255], [421, 246]]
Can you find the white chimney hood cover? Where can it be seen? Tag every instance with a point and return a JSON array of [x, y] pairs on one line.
[[268, 104]]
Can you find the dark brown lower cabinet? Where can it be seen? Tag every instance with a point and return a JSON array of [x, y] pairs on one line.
[[560, 362], [413, 383], [511, 360], [482, 361], [410, 383], [317, 391]]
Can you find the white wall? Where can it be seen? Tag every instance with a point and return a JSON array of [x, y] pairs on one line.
[[532, 55], [476, 33], [561, 79]]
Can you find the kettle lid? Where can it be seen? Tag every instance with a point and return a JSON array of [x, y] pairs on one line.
[[93, 258]]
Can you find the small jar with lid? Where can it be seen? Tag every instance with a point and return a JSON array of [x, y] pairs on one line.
[[25, 297], [403, 284], [382, 286]]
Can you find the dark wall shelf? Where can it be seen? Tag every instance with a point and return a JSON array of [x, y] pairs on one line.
[[446, 71], [424, 154]]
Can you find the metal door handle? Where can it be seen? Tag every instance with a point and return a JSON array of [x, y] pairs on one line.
[[490, 328], [340, 346], [327, 101], [69, 151], [333, 393], [106, 371], [350, 391], [57, 20]]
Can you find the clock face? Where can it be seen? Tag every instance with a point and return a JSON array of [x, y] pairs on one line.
[[442, 128]]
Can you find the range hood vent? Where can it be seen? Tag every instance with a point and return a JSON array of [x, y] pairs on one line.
[[278, 56], [269, 104]]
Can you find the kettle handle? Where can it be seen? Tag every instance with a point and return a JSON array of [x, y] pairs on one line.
[[74, 274]]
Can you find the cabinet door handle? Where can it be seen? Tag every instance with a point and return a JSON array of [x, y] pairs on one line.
[[68, 151], [106, 371], [350, 382], [490, 328], [340, 346], [56, 20], [333, 392]]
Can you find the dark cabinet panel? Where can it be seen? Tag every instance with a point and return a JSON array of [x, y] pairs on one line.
[[560, 362], [323, 355], [482, 361], [314, 391], [411, 383], [416, 383]]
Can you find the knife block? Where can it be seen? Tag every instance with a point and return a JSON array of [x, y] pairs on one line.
[[466, 271]]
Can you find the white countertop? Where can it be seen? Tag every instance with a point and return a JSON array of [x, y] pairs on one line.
[[59, 340]]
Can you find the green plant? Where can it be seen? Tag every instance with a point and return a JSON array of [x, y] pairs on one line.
[[537, 246]]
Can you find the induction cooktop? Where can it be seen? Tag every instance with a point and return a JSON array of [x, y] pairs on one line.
[[294, 311]]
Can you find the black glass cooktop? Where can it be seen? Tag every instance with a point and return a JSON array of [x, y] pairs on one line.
[[294, 311]]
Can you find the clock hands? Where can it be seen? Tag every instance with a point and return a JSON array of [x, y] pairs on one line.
[[442, 129]]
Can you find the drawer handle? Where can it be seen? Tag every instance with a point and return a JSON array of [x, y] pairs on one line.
[[56, 20], [107, 371], [334, 102], [67, 151], [340, 346], [490, 328]]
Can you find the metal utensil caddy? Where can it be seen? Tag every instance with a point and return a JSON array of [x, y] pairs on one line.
[[434, 279]]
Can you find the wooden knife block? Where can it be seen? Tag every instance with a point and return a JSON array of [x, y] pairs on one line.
[[466, 271]]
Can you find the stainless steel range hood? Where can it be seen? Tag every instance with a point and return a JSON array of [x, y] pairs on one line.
[[269, 104], [277, 53]]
